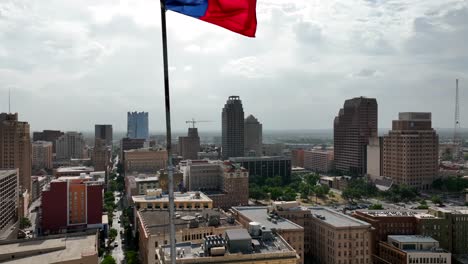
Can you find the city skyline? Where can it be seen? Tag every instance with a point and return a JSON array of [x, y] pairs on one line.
[[105, 53]]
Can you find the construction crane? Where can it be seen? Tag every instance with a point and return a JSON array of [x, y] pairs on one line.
[[193, 122]]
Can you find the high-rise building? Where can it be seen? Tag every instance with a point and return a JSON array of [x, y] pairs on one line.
[[410, 151], [103, 132], [42, 154], [9, 199], [189, 146], [297, 158], [72, 203], [137, 125], [102, 154], [48, 135], [375, 158], [233, 128], [70, 146], [144, 160], [15, 148], [355, 124], [318, 160], [252, 136]]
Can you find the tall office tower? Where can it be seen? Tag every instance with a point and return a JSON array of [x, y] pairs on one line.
[[48, 135], [103, 132], [189, 146], [137, 125], [70, 146], [9, 200], [233, 128], [355, 124], [42, 155], [102, 154], [410, 151], [252, 136], [15, 148]]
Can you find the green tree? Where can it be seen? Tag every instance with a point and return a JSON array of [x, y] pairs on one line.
[[25, 223], [275, 193], [120, 168], [312, 179], [289, 194], [274, 181], [255, 192], [376, 206], [131, 257], [436, 199], [108, 260], [112, 234]]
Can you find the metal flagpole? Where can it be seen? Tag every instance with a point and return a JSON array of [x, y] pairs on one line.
[[170, 166]]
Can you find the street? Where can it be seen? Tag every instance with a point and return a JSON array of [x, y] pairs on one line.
[[118, 252], [33, 216]]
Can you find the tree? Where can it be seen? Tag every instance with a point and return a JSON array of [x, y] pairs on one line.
[[25, 223], [120, 168], [436, 199], [131, 257], [275, 193], [112, 234], [312, 179], [376, 206], [289, 194], [108, 260]]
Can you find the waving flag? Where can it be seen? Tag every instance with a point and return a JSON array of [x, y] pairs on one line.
[[236, 15]]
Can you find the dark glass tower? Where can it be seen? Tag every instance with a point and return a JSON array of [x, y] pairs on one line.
[[233, 128]]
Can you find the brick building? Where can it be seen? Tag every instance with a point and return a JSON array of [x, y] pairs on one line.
[[318, 160]]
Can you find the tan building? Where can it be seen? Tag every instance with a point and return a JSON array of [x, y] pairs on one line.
[[9, 200], [291, 232], [42, 155], [15, 148], [144, 160], [410, 151], [318, 160], [191, 226], [78, 248], [140, 184], [189, 146], [297, 158], [412, 249], [330, 237], [164, 180], [253, 137], [154, 199], [72, 171], [102, 154], [201, 175], [375, 158], [71, 145], [237, 246]]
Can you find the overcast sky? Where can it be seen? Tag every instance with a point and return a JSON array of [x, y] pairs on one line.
[[72, 64]]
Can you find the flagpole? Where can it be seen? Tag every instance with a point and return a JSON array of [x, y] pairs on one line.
[[170, 166]]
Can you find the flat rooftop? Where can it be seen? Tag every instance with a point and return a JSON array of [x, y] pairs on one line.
[[157, 221], [147, 179], [75, 169], [62, 249], [4, 173], [260, 214], [336, 219], [273, 249], [397, 213], [262, 158], [452, 209], [178, 197], [413, 239]]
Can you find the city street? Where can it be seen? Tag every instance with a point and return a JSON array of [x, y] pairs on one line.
[[33, 216], [118, 252]]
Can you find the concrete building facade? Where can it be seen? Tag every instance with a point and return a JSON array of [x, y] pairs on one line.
[[375, 158], [144, 160], [42, 155], [9, 197], [189, 146], [266, 166], [233, 128], [318, 160], [48, 135], [253, 136], [70, 146], [411, 151], [356, 122], [137, 125], [15, 148], [297, 158]]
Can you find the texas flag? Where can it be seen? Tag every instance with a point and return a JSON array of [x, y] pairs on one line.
[[236, 15]]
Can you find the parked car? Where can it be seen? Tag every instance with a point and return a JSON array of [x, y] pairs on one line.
[[116, 244]]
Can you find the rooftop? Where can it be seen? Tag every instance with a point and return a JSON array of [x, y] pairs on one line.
[[452, 209], [146, 179], [157, 221], [241, 159], [5, 173], [260, 214], [55, 250], [413, 239], [397, 213], [336, 219], [75, 169], [178, 197]]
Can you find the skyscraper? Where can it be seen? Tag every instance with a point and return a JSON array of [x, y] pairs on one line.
[[137, 125], [103, 132], [48, 135], [15, 148], [252, 136], [70, 146], [189, 146], [42, 155], [410, 151], [355, 124], [233, 128]]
